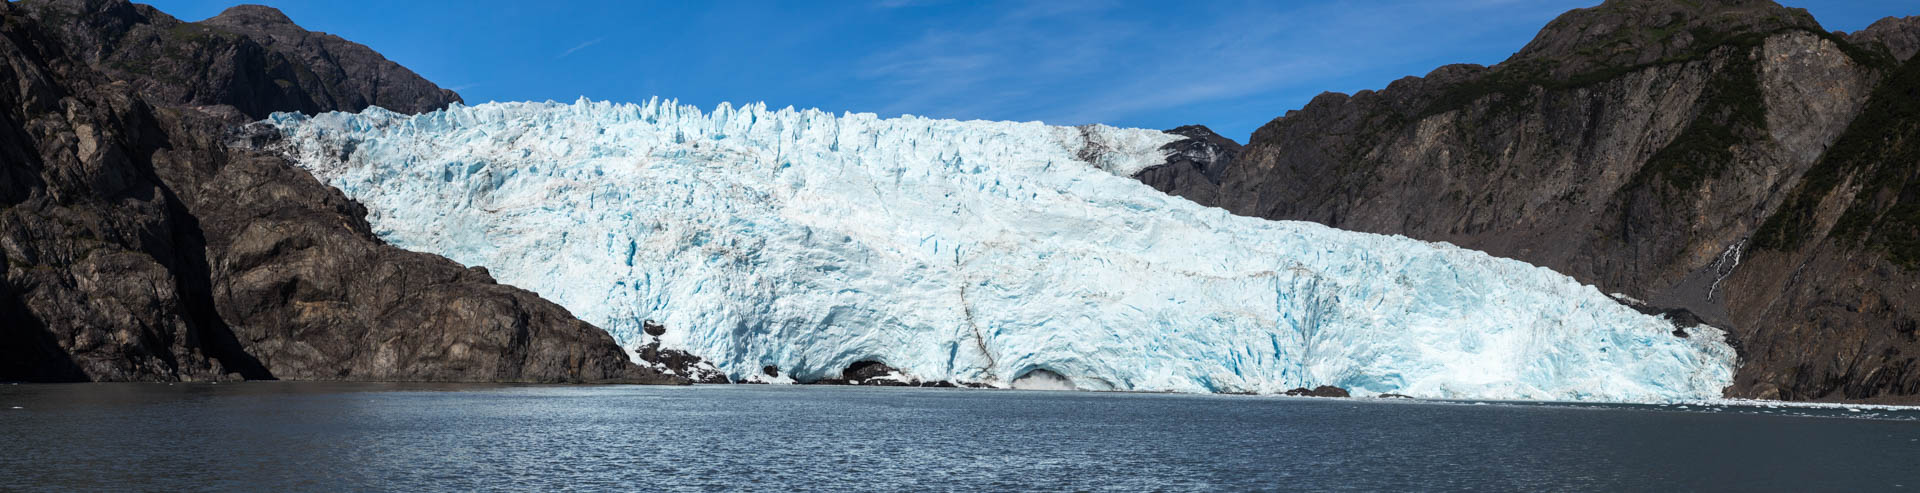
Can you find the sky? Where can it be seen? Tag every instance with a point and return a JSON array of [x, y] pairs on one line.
[[1230, 65]]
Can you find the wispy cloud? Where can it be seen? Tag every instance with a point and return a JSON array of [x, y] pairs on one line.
[[580, 46], [1076, 62], [969, 71]]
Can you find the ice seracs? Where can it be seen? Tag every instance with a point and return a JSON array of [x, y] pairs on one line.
[[969, 251]]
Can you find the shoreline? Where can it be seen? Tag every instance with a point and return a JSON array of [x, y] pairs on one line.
[[1681, 405]]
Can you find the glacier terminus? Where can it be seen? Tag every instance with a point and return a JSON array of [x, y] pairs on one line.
[[968, 251]]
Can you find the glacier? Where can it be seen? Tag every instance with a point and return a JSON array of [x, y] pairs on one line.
[[968, 251]]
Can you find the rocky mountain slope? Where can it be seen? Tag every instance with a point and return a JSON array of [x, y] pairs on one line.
[[139, 244], [1728, 157], [1195, 165], [249, 57]]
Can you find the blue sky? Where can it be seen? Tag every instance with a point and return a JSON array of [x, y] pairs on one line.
[[1229, 65]]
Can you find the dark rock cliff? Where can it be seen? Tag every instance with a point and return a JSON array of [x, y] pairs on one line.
[[139, 245], [1194, 164], [251, 58], [1640, 146], [1900, 36]]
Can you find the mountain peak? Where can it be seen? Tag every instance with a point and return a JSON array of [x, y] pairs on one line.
[[250, 15], [1201, 132], [1620, 33], [1900, 35]]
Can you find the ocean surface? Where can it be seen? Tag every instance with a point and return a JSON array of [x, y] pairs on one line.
[[271, 436]]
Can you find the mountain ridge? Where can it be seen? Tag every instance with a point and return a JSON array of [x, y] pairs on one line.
[[139, 245], [250, 57], [1638, 146]]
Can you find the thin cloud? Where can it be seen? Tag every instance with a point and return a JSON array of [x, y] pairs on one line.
[[579, 47], [982, 70], [1073, 63]]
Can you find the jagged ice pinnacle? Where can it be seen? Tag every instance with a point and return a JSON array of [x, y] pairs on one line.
[[971, 251]]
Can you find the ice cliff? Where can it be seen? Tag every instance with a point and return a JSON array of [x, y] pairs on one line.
[[970, 251]]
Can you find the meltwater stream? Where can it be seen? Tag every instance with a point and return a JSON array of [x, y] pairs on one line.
[[275, 436]]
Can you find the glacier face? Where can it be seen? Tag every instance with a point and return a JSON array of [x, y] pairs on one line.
[[969, 251]]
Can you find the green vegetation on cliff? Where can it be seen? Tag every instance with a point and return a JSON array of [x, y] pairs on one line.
[[1732, 111], [1731, 114], [1880, 155], [1516, 78]]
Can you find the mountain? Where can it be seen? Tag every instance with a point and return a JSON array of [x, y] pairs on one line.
[[250, 57], [985, 253], [1195, 164], [139, 244], [1728, 161], [1730, 158]]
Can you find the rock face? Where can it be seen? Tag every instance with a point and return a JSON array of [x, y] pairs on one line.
[[249, 57], [1194, 165], [1900, 35], [867, 370], [1697, 155], [1833, 281], [1324, 391], [678, 363], [876, 373], [140, 245]]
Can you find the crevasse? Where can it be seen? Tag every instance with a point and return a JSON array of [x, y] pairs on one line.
[[972, 251]]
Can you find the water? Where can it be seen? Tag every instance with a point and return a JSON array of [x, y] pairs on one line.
[[323, 436]]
